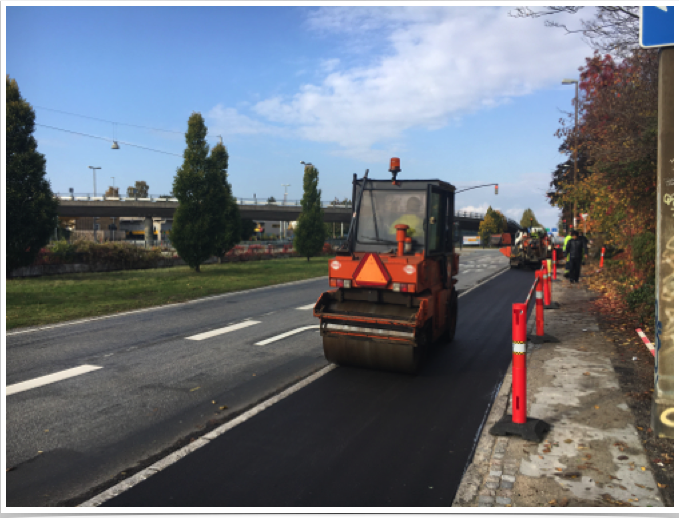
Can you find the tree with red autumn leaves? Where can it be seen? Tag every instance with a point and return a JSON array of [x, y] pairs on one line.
[[617, 147]]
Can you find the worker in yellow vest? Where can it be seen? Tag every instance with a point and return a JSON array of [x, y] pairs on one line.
[[413, 218], [566, 272]]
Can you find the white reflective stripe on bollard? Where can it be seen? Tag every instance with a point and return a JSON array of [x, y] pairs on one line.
[[519, 348]]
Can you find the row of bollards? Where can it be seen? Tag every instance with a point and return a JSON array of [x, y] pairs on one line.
[[517, 423]]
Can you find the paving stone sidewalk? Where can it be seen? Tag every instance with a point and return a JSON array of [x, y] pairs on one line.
[[592, 456]]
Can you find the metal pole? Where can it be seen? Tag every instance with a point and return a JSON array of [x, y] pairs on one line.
[[575, 156], [662, 409]]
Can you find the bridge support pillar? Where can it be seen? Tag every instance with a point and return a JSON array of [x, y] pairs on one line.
[[148, 231]]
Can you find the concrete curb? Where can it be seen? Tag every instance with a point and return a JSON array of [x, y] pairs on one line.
[[470, 485]]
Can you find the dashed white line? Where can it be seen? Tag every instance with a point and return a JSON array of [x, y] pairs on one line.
[[285, 335], [227, 329], [308, 306], [50, 378]]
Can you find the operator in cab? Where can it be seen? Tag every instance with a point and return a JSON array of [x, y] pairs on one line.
[[413, 217]]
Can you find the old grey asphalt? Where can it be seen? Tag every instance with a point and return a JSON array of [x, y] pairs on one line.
[[154, 386]]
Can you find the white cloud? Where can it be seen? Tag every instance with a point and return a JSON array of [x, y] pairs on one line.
[[228, 121], [439, 64]]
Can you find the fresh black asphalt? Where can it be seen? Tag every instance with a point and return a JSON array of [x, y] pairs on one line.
[[355, 437]]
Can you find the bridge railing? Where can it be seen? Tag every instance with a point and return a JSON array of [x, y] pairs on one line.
[[244, 201]]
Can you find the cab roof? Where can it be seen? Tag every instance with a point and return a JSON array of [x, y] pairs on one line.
[[411, 185]]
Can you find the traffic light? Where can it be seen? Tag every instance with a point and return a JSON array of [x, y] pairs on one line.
[[496, 189]]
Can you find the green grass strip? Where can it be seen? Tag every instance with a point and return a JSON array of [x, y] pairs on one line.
[[50, 299]]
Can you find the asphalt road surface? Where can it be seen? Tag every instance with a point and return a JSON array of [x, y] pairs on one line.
[[159, 376]]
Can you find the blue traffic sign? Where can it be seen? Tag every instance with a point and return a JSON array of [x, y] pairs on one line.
[[656, 26], [554, 230]]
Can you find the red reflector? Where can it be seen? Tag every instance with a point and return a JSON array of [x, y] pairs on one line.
[[404, 287], [340, 283]]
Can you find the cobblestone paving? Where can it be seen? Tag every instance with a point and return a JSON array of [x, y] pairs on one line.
[[592, 456]]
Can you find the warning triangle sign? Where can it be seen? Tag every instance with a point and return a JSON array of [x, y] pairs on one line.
[[371, 272]]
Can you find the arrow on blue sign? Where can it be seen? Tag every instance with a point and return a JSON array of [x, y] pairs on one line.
[[656, 26]]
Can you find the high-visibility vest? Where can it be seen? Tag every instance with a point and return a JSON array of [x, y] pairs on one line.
[[565, 244]]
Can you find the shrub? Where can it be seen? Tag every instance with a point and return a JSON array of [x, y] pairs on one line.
[[643, 251]]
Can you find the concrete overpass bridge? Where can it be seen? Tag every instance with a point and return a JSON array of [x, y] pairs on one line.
[[77, 206]]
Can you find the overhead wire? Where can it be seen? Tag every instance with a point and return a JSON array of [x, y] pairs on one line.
[[105, 120], [109, 140]]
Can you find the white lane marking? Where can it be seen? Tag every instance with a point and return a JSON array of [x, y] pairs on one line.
[[182, 452], [308, 306], [156, 308], [285, 335], [227, 329], [50, 378]]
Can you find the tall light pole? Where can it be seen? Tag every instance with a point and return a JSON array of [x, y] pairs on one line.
[[285, 194], [575, 147], [94, 178]]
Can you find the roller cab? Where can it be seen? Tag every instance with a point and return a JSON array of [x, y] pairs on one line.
[[392, 285]]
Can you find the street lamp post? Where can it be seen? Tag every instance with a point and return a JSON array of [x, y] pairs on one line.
[[282, 233], [94, 178], [575, 147]]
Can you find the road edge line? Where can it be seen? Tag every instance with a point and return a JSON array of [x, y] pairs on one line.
[[484, 281], [155, 308], [170, 459]]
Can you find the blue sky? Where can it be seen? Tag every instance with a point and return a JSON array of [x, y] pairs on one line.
[[468, 95]]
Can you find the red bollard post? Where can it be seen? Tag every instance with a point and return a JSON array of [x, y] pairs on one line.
[[601, 262], [540, 337], [519, 313], [539, 307], [529, 428], [546, 285], [554, 263]]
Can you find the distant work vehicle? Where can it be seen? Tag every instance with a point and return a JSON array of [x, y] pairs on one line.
[[500, 239], [393, 279], [531, 247]]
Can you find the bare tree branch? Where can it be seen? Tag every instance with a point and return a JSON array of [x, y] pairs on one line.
[[613, 29]]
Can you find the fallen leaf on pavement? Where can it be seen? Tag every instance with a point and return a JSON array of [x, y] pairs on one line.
[[196, 388], [585, 374], [568, 441], [662, 486], [639, 485], [596, 406], [559, 469], [564, 502], [223, 407]]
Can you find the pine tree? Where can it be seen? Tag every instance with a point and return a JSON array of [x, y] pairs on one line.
[[528, 219], [229, 235], [200, 217], [310, 232], [31, 210]]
